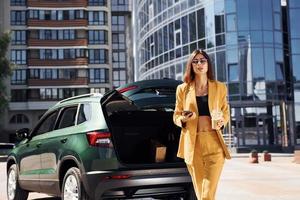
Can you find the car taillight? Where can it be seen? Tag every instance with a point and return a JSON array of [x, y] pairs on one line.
[[99, 139], [127, 88]]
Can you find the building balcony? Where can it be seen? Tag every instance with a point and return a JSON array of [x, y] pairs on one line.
[[65, 62], [54, 43], [57, 3], [57, 23], [58, 82]]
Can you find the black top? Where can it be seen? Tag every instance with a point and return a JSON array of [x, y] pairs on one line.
[[202, 103]]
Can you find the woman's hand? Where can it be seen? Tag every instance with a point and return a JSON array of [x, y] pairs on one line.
[[187, 115], [220, 124]]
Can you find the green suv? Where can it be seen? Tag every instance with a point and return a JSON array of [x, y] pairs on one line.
[[103, 147]]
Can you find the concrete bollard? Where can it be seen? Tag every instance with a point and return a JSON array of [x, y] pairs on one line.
[[267, 156], [253, 157]]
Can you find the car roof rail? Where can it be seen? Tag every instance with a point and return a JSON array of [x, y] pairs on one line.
[[80, 96]]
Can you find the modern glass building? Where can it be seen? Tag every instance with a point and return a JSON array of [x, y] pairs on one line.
[[254, 46], [61, 49]]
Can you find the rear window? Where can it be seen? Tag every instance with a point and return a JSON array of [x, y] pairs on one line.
[[68, 117], [84, 113]]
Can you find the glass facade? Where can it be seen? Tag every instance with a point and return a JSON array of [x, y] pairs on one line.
[[249, 51]]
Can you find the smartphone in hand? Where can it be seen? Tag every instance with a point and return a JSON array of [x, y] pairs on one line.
[[187, 113]]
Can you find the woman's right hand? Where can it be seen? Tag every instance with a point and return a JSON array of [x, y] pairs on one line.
[[187, 115]]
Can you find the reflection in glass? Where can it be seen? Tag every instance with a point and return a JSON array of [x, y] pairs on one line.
[[232, 56], [201, 23], [209, 22], [279, 71], [258, 63], [231, 22], [231, 38], [295, 46], [192, 26], [230, 6], [269, 63], [296, 68], [268, 36], [256, 37], [255, 14], [267, 15], [233, 72], [294, 21], [221, 63], [243, 15], [259, 89]]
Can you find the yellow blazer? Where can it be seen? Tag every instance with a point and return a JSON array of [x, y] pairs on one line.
[[186, 100]]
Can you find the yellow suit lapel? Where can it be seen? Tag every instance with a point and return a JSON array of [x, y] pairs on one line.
[[192, 98], [211, 95]]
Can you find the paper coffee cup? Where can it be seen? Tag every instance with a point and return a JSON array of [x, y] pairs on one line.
[[216, 115]]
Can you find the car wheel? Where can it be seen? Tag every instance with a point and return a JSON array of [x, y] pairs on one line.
[[72, 187], [14, 191]]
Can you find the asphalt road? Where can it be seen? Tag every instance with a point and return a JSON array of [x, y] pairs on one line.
[[240, 180]]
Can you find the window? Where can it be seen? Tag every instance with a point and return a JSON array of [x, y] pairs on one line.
[[18, 95], [47, 14], [79, 14], [18, 77], [119, 60], [66, 34], [67, 73], [99, 76], [84, 113], [118, 23], [33, 14], [18, 37], [48, 93], [18, 17], [18, 56], [119, 77], [66, 92], [177, 37], [19, 119], [233, 72], [97, 2], [98, 37], [34, 74], [18, 2], [48, 54], [97, 18], [68, 117], [118, 40], [99, 90], [47, 124], [98, 56]]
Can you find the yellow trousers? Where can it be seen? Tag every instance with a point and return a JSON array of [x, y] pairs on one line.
[[207, 164]]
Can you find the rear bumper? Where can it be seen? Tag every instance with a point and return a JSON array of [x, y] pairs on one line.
[[141, 183]]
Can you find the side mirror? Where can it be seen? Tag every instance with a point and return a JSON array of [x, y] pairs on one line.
[[22, 133]]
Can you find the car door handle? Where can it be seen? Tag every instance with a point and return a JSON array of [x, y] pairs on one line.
[[64, 140], [38, 145]]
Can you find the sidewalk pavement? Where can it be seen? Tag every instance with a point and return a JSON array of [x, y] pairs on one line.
[[275, 180], [240, 180]]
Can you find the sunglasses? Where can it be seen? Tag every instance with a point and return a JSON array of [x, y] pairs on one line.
[[201, 61]]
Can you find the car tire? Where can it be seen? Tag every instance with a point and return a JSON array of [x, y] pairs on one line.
[[13, 189], [72, 187]]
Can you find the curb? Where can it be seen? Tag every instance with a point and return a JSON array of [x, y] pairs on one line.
[[3, 158]]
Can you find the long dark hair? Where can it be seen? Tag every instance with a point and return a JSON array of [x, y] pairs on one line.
[[189, 74]]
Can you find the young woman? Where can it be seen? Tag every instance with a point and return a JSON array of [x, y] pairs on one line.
[[202, 112]]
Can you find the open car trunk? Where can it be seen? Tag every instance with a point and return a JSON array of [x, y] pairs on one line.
[[143, 134]]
